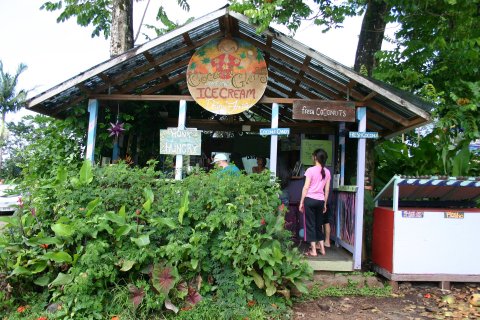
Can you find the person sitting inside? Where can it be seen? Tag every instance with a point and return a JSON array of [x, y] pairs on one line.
[[221, 160], [261, 165]]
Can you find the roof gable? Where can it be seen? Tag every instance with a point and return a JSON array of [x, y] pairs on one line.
[[295, 72]]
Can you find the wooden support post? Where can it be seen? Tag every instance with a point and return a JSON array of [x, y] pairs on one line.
[[92, 129], [362, 126], [182, 112], [274, 140], [341, 142], [445, 285]]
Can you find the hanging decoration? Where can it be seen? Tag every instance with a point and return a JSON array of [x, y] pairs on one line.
[[116, 129]]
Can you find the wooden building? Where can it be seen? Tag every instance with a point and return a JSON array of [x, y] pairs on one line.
[[298, 76]]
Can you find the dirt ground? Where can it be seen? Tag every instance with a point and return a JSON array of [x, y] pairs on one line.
[[411, 301]]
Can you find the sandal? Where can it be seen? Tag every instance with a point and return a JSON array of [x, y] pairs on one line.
[[309, 254]]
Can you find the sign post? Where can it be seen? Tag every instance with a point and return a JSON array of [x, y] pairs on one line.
[[363, 135], [274, 131]]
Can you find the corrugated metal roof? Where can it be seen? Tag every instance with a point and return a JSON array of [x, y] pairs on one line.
[[295, 71], [433, 188]]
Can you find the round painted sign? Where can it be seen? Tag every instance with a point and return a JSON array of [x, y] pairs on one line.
[[227, 76]]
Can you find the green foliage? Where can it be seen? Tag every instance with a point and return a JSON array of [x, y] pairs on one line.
[[351, 289], [98, 13], [292, 13], [441, 152], [41, 144], [151, 244]]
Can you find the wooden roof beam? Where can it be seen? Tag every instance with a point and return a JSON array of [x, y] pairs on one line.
[[300, 66], [141, 69], [327, 92], [108, 82], [385, 123], [163, 74], [369, 96], [299, 77], [150, 59], [162, 85]]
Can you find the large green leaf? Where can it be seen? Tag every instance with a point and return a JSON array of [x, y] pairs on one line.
[[61, 279], [59, 257], [37, 266], [21, 270], [183, 206], [36, 241], [62, 230], [42, 281], [86, 174], [92, 205], [147, 205], [164, 221], [122, 212], [62, 175], [148, 194], [112, 216], [141, 241], [271, 289], [127, 265], [461, 162], [257, 278], [13, 221], [122, 231]]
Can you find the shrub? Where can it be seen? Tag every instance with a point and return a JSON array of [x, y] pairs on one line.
[[150, 244]]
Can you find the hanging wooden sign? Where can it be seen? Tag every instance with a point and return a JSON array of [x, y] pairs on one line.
[[176, 141], [227, 76], [324, 110]]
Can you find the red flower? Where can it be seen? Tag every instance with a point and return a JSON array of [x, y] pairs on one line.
[[115, 318], [262, 222], [251, 303], [42, 318], [427, 295], [44, 246], [21, 309], [137, 212]]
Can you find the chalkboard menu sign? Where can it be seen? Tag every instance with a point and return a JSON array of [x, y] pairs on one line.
[[308, 146]]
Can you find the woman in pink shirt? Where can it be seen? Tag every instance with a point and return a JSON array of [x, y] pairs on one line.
[[314, 202]]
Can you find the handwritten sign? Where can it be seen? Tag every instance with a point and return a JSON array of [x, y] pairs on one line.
[[454, 215], [363, 135], [412, 214], [308, 146], [324, 110], [274, 131], [176, 141], [227, 76]]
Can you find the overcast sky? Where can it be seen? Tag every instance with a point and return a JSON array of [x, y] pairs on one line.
[[55, 52]]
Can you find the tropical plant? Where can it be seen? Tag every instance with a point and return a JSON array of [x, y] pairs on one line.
[[150, 244], [10, 99]]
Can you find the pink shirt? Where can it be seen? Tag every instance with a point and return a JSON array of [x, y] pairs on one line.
[[317, 184]]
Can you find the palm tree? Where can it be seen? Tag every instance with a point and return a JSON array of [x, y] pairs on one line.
[[10, 100]]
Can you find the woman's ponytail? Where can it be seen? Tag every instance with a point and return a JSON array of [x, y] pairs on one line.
[[321, 156]]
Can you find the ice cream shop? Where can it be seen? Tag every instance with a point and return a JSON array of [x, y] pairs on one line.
[[215, 85]]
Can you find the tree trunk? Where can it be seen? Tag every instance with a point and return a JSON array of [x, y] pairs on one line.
[[121, 36], [369, 42], [371, 35]]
